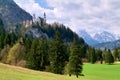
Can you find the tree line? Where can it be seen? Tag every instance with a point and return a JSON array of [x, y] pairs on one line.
[[44, 55], [54, 55]]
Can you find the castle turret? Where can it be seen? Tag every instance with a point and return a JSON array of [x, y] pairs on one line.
[[44, 18]]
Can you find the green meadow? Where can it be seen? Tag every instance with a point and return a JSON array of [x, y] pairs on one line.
[[91, 72]]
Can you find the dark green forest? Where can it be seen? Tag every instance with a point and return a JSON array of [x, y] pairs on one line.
[[62, 52]]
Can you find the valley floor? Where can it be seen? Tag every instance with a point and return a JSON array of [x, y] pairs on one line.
[[91, 72]]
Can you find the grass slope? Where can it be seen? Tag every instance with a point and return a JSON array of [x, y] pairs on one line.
[[91, 72]]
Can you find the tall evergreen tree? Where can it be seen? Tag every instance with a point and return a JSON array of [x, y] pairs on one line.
[[75, 60], [13, 38], [28, 42], [109, 58], [57, 54], [1, 42], [91, 55], [31, 57], [1, 23], [43, 52], [37, 57], [2, 36], [115, 54], [99, 55], [7, 40], [104, 54]]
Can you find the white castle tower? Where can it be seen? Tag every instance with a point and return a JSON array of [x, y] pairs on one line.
[[44, 18]]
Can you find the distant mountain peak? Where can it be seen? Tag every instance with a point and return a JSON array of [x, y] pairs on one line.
[[88, 39], [99, 37], [104, 37]]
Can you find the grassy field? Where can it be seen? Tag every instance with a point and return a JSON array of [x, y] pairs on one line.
[[91, 72]]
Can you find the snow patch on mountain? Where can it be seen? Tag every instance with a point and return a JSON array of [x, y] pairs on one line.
[[104, 37], [88, 39], [99, 37]]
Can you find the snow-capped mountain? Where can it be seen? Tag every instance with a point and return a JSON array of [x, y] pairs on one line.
[[101, 37], [88, 39], [107, 40], [104, 37]]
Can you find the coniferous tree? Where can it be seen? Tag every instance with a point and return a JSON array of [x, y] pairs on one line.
[[1, 23], [43, 52], [31, 57], [115, 54], [83, 50], [2, 36], [91, 55], [28, 42], [75, 60], [37, 57], [7, 40], [99, 55], [1, 42], [57, 54], [13, 38], [104, 54], [109, 58], [118, 49]]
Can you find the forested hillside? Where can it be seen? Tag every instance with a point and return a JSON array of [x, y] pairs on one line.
[[23, 49]]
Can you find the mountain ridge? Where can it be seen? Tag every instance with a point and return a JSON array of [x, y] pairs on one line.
[[101, 37], [104, 37], [108, 45], [88, 39], [11, 13]]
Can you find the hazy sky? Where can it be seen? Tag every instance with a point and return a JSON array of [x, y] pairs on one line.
[[91, 15]]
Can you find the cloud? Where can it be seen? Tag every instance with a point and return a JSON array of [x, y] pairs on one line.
[[33, 7], [91, 15]]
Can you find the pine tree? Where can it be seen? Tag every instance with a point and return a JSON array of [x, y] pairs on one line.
[[104, 54], [1, 23], [31, 56], [13, 38], [1, 42], [99, 55], [91, 55], [2, 36], [37, 57], [118, 54], [115, 54], [43, 52], [7, 40], [28, 42], [109, 58], [57, 54], [75, 61]]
